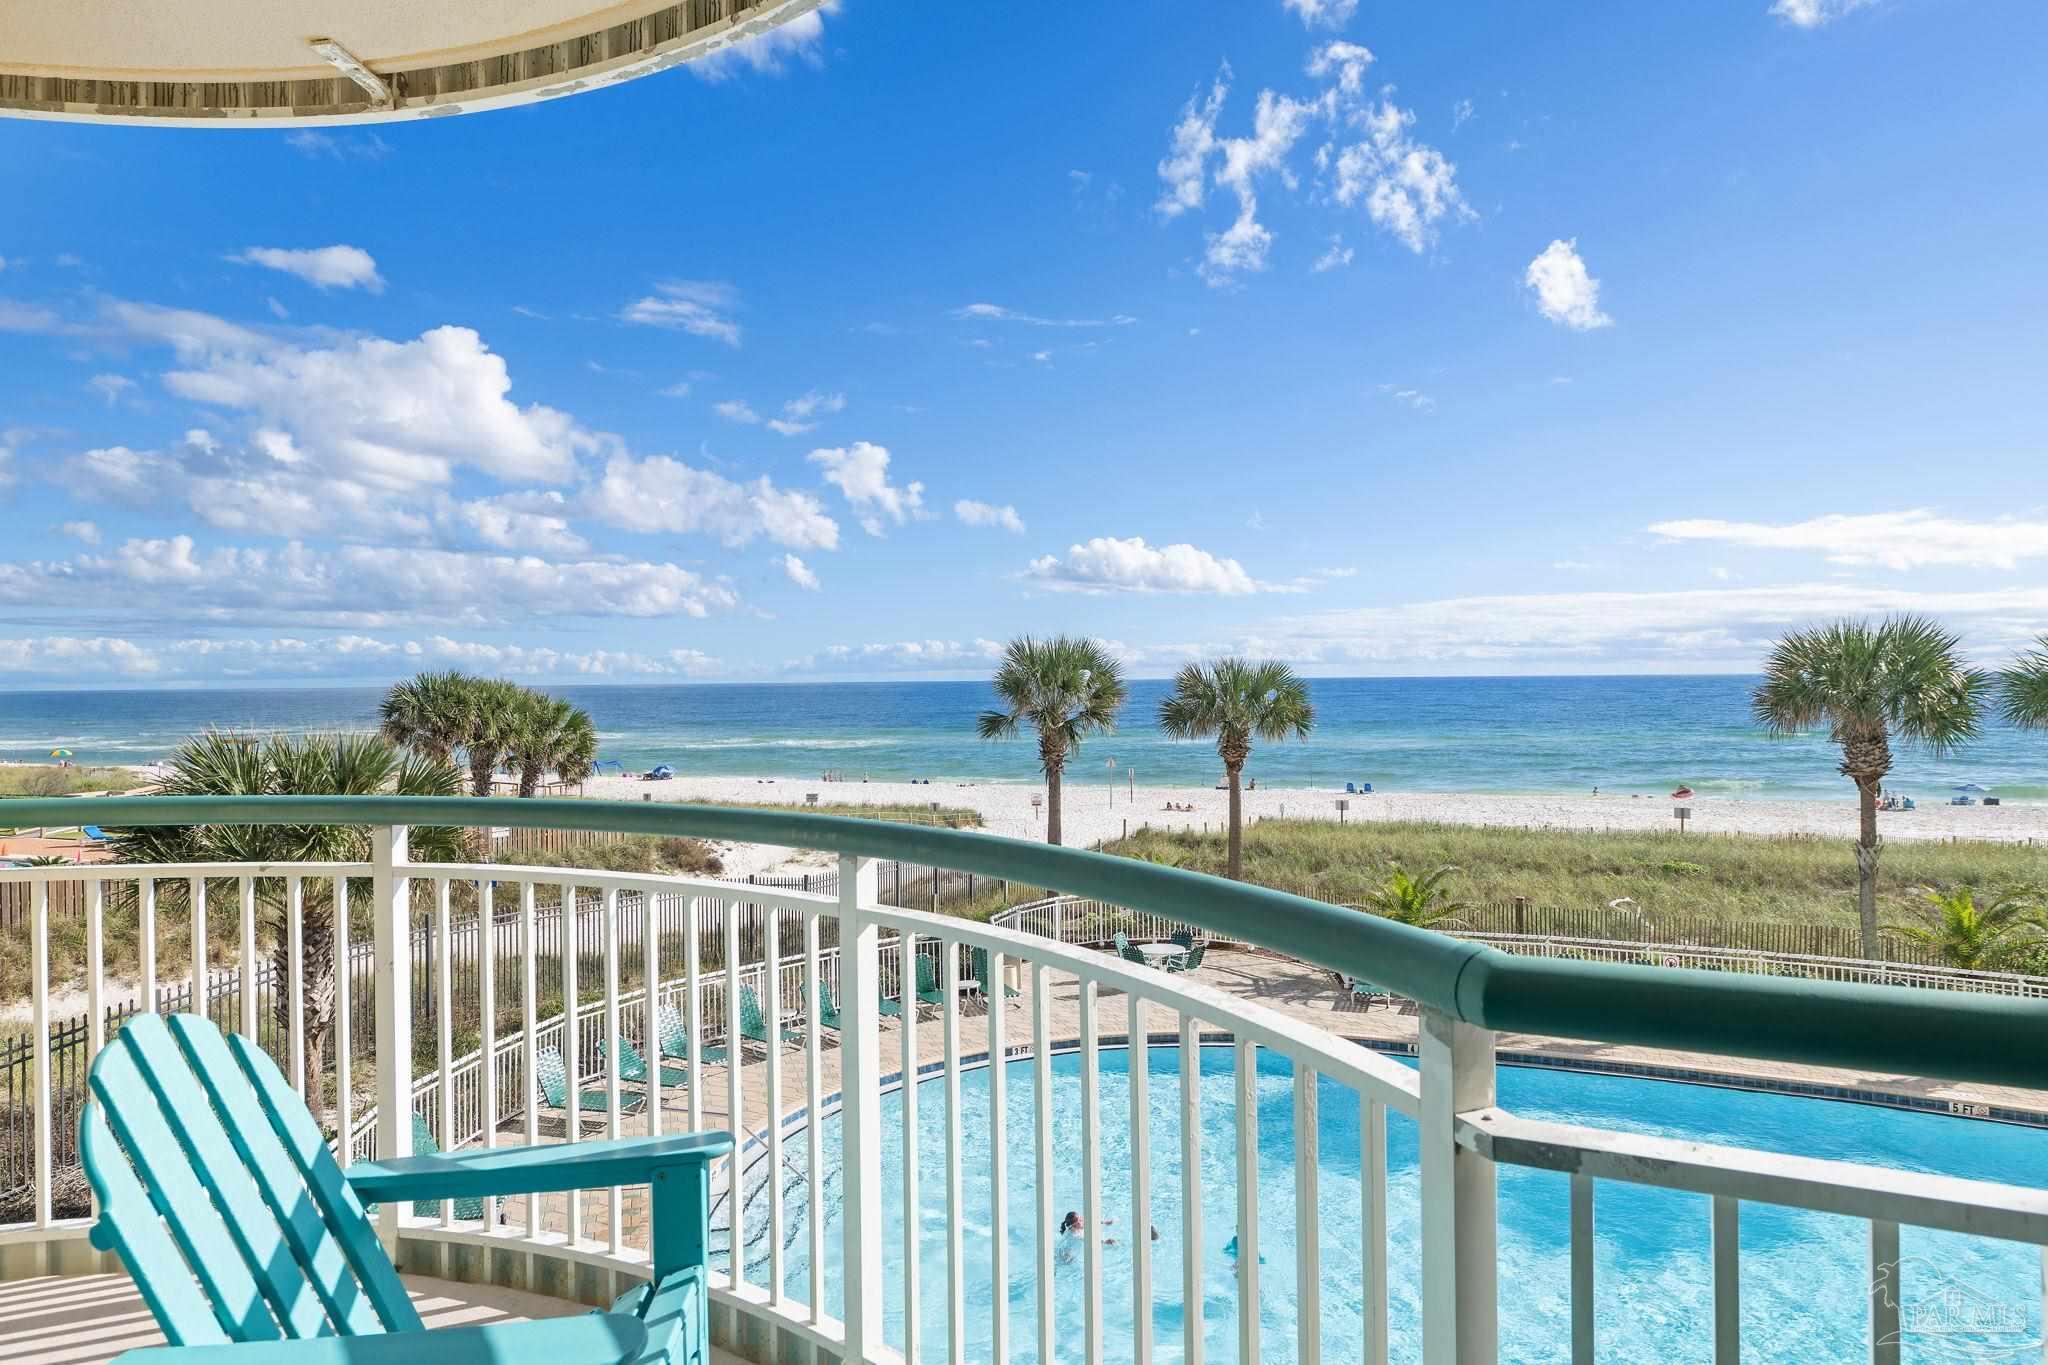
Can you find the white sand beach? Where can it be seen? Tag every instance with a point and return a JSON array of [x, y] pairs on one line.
[[1094, 812]]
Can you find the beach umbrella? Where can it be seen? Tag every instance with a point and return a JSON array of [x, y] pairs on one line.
[[60, 753]]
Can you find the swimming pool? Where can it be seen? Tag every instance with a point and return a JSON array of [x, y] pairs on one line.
[[1805, 1282]]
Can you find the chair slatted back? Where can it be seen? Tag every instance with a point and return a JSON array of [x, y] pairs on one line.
[[221, 1198]]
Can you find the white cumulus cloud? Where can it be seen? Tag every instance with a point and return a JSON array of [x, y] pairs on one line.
[[861, 472], [324, 267], [799, 573], [1323, 13], [661, 495], [1811, 14], [1565, 292], [1107, 564], [988, 514]]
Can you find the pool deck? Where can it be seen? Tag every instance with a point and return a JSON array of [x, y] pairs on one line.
[[85, 1319]]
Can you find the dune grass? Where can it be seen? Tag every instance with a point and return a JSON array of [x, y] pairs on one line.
[[47, 779], [1797, 880], [900, 812]]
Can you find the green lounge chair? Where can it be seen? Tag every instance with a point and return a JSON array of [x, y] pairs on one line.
[[928, 991], [675, 1043], [978, 959], [423, 1144], [828, 1008], [633, 1067], [754, 1026], [239, 1228], [553, 1077]]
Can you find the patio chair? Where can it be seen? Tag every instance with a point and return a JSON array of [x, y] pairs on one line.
[[1184, 937], [633, 1066], [423, 1144], [1129, 953], [928, 991], [552, 1075], [675, 1043], [237, 1225], [1191, 961], [828, 1008], [978, 960], [754, 1026]]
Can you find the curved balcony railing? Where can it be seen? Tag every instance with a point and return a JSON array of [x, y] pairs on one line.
[[795, 1047]]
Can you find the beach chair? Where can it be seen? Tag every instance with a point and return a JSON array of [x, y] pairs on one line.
[[633, 1066], [423, 1144], [1365, 789], [675, 1045], [928, 991], [1351, 789], [754, 1026], [979, 961], [551, 1074], [828, 1008], [218, 1193], [94, 834]]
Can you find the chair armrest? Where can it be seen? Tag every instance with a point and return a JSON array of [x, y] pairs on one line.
[[588, 1339], [549, 1168]]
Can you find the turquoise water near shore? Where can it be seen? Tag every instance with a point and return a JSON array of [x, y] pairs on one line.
[[1401, 734]]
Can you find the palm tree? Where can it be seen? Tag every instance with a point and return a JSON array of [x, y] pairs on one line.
[[218, 764], [548, 732], [1420, 901], [429, 713], [2023, 689], [1868, 684], [1237, 701], [1978, 938], [437, 714], [1064, 688]]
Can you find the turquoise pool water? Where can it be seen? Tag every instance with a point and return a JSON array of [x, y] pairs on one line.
[[1804, 1276]]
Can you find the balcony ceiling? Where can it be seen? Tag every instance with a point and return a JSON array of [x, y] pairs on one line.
[[215, 62]]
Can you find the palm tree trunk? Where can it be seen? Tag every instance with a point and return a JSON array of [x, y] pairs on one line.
[[529, 779], [482, 765], [1867, 848], [1235, 867], [1052, 803]]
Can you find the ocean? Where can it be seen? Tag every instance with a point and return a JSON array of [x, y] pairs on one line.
[[1646, 734]]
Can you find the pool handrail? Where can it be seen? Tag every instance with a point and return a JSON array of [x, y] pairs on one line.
[[1953, 1036]]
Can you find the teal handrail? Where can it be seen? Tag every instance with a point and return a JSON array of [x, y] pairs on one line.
[[1951, 1035]]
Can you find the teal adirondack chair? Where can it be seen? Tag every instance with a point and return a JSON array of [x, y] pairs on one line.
[[553, 1077], [251, 1245], [423, 1144], [1128, 953], [633, 1067], [752, 1023]]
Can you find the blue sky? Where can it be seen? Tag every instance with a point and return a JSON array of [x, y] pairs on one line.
[[1386, 338]]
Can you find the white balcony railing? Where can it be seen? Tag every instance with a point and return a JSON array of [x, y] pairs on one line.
[[811, 1113]]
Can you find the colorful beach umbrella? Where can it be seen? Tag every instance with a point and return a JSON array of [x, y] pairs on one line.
[[60, 753]]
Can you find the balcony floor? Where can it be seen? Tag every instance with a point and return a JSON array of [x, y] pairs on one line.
[[86, 1319]]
